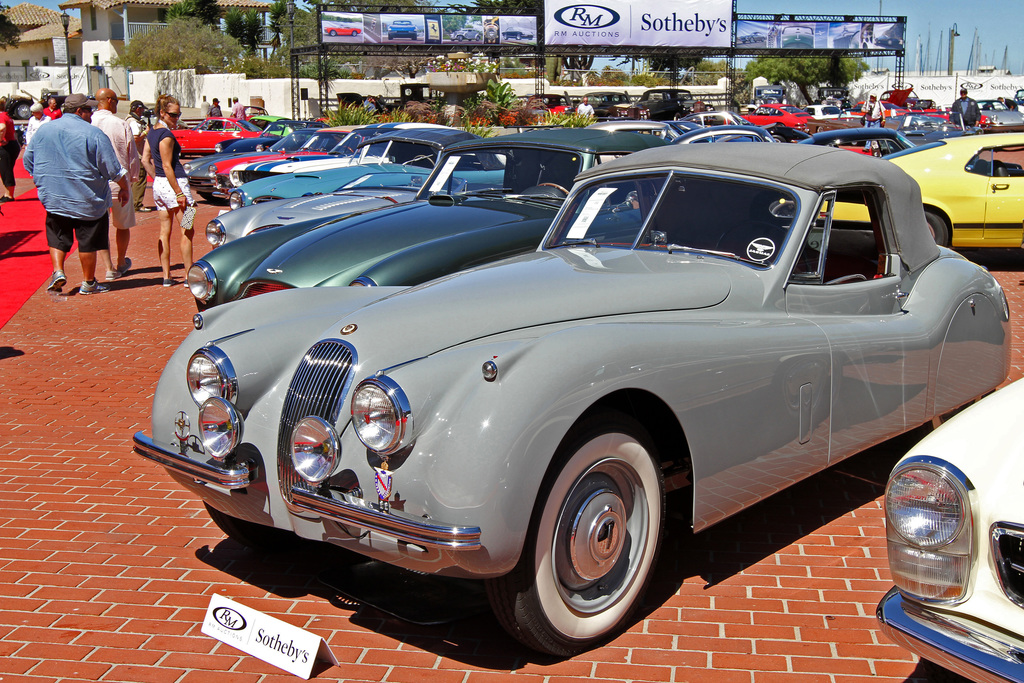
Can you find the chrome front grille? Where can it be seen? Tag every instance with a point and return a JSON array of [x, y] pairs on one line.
[[1008, 552], [318, 388]]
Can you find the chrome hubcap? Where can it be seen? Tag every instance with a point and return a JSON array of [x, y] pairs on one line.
[[597, 535]]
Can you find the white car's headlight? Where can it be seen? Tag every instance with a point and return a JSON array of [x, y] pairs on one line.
[[220, 427], [929, 529], [234, 178], [215, 232], [210, 374], [315, 448], [236, 199], [201, 280], [381, 414]]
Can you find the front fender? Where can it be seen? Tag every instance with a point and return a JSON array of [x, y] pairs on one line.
[[235, 261]]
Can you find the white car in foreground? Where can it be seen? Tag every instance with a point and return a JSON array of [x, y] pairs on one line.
[[954, 509]]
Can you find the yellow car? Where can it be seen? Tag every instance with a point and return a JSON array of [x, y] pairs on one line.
[[972, 188]]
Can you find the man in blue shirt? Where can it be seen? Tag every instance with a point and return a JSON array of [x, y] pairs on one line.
[[71, 162]]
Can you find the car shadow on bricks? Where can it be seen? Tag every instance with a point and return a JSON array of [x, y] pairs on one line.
[[790, 523], [812, 524]]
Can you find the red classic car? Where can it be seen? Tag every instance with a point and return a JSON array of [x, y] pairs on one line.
[[786, 114], [203, 138]]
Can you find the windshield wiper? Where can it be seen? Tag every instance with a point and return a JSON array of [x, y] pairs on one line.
[[575, 243], [696, 250], [489, 192]]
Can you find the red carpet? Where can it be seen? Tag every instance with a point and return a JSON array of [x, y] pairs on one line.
[[24, 256]]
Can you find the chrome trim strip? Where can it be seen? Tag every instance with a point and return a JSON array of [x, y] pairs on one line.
[[1003, 565], [355, 512], [969, 652], [237, 476]]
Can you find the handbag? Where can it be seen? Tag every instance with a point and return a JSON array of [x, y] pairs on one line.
[[188, 217]]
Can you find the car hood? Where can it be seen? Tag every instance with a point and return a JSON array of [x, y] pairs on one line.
[[303, 183], [541, 288], [345, 247]]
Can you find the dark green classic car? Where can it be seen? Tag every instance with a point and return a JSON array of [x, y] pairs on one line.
[[485, 200]]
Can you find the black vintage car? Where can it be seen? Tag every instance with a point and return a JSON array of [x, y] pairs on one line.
[[666, 104]]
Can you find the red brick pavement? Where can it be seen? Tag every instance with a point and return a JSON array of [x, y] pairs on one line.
[[106, 566]]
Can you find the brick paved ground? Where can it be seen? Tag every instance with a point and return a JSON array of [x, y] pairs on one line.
[[106, 566]]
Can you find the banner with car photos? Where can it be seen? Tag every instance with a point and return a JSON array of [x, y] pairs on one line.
[[831, 35], [640, 23], [427, 29]]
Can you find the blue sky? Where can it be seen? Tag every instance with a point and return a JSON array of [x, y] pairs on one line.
[[998, 23]]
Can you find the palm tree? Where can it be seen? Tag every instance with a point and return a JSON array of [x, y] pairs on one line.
[[278, 17]]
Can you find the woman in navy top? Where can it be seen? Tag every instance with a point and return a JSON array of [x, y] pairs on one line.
[[171, 192]]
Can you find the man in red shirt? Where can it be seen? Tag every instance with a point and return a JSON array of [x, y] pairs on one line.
[[52, 110]]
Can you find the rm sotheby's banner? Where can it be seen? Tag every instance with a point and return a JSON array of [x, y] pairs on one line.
[[646, 23]]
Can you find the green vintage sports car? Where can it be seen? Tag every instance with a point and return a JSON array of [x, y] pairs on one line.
[[484, 200]]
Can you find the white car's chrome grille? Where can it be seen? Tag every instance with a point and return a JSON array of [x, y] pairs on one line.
[[318, 388], [1008, 553]]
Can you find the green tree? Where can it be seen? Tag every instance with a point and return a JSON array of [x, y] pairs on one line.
[[500, 6], [183, 44], [806, 72], [278, 20], [9, 33], [208, 12], [181, 10], [245, 27]]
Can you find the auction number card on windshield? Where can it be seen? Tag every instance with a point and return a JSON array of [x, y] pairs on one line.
[[272, 640]]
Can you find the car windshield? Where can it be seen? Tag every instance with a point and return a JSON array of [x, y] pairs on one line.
[[681, 213], [398, 152], [512, 170], [291, 142], [323, 141], [380, 180]]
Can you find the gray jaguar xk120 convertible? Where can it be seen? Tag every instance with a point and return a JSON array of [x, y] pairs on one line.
[[725, 319]]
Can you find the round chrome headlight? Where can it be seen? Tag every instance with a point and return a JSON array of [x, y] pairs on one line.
[[215, 232], [211, 171], [363, 281], [187, 167], [219, 147], [261, 147], [929, 530], [220, 427], [210, 374], [201, 280], [315, 448], [236, 199], [381, 414], [234, 178], [926, 507]]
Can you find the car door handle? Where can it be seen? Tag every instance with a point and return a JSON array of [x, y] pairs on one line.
[[1000, 186]]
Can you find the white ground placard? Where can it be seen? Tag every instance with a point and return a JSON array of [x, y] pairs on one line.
[[272, 640]]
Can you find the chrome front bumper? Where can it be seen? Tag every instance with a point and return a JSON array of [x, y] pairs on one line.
[[981, 655], [352, 511], [236, 476]]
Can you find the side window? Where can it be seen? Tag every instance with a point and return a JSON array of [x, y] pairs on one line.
[[980, 163], [1008, 161], [846, 243]]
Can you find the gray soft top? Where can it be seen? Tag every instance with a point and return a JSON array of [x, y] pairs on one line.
[[808, 166]]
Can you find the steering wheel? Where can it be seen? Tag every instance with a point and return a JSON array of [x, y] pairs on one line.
[[852, 277], [557, 187]]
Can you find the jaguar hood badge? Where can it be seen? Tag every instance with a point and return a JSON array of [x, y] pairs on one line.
[[274, 271]]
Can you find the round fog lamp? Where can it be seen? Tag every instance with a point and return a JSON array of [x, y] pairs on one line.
[[315, 449], [220, 427]]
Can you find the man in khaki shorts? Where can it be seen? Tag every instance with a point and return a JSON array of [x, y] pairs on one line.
[[122, 214]]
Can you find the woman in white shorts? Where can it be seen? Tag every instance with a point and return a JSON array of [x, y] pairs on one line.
[[171, 193]]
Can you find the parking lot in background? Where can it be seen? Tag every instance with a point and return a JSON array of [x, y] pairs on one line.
[[107, 566]]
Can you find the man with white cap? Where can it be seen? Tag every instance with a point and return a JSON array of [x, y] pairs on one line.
[[71, 163]]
